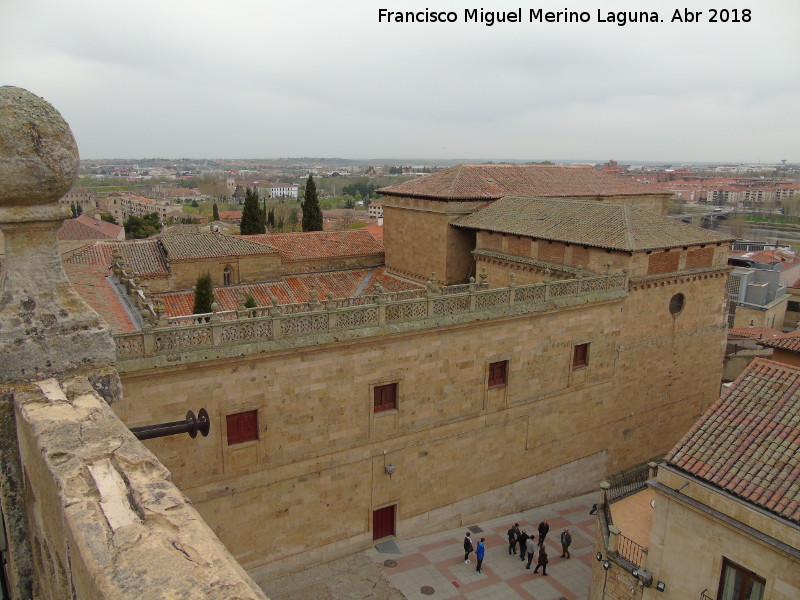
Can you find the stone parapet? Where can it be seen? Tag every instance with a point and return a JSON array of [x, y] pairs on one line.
[[105, 519], [309, 323]]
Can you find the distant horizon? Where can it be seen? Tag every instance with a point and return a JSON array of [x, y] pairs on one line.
[[411, 160]]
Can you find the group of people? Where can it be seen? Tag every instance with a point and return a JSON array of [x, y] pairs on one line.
[[527, 546]]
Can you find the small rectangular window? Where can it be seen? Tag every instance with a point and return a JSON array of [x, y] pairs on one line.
[[737, 583], [580, 356], [497, 373], [242, 427], [385, 397]]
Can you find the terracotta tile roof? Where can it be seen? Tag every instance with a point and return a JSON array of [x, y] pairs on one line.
[[490, 182], [785, 341], [375, 231], [769, 257], [757, 333], [293, 289], [144, 257], [748, 442], [230, 214], [88, 228], [320, 244], [182, 246], [91, 283], [598, 224]]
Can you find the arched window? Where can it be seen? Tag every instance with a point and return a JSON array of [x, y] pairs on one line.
[[226, 275]]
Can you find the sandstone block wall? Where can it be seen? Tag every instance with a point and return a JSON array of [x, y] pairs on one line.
[[319, 460]]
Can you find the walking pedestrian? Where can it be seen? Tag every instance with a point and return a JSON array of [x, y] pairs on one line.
[[521, 539], [530, 546], [467, 548], [513, 532], [566, 540], [479, 554], [542, 561], [543, 529]]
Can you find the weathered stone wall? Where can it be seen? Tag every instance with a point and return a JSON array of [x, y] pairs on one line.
[[770, 316], [320, 454], [105, 521], [244, 269], [688, 545], [419, 240]]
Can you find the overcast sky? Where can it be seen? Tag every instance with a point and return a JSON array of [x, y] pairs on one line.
[[274, 78]]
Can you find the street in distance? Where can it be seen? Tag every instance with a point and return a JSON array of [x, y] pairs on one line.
[[538, 15]]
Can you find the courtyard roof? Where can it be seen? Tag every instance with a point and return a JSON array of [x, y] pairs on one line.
[[183, 246], [145, 257], [490, 182], [748, 442], [598, 224], [319, 244]]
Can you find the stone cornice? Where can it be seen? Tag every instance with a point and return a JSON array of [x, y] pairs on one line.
[[531, 262], [660, 279]]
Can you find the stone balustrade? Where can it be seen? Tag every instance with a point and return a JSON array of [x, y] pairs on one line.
[[279, 322]]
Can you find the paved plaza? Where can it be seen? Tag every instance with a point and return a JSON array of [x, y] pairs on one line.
[[432, 566], [437, 561]]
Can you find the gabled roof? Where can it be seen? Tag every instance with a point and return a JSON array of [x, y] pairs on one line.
[[87, 228], [490, 182], [748, 442], [786, 341], [375, 231], [182, 246], [92, 284], [757, 333], [319, 244], [292, 289], [598, 224], [144, 257]]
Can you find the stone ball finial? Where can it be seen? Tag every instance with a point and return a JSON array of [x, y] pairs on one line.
[[38, 155]]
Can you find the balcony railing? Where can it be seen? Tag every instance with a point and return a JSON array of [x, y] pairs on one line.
[[314, 317], [630, 551], [628, 484]]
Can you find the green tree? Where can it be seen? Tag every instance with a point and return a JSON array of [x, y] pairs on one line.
[[109, 219], [252, 217], [215, 212], [312, 213], [203, 295], [249, 302], [271, 219], [142, 227]]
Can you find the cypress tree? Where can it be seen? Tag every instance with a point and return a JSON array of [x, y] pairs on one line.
[[252, 217], [312, 213], [215, 214], [203, 295]]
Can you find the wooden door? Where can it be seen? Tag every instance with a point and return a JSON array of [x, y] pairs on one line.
[[383, 522]]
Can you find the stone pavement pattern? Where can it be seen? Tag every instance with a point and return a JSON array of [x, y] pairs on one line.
[[436, 562]]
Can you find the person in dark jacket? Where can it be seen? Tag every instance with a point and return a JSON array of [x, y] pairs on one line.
[[521, 539], [513, 532], [479, 554], [543, 529], [542, 561], [566, 540], [530, 547], [467, 548]]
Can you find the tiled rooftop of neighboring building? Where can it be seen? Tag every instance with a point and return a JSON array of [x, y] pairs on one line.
[[488, 182], [748, 442], [769, 257], [87, 228], [90, 281], [319, 244], [597, 224], [184, 246], [757, 333], [786, 341], [145, 257], [375, 231], [293, 289]]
